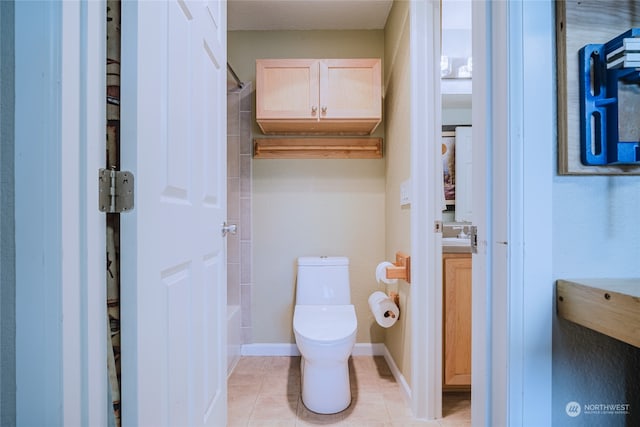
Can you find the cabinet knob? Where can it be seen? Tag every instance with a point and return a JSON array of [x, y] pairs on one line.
[[324, 109], [314, 109]]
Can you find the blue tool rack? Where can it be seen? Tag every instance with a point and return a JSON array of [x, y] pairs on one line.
[[602, 67]]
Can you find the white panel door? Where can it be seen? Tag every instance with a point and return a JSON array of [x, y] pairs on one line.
[[173, 109]]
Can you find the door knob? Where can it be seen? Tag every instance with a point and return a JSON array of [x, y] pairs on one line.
[[229, 229]]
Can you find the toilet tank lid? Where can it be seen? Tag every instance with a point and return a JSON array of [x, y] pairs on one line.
[[323, 260]]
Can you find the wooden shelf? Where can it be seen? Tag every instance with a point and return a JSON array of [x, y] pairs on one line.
[[608, 306], [317, 148]]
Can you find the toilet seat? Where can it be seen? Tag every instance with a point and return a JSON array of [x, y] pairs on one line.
[[325, 323]]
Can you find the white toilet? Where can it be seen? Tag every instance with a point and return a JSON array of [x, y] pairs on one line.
[[325, 325]]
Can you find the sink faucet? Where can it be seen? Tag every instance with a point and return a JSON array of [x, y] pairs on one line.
[[463, 231]]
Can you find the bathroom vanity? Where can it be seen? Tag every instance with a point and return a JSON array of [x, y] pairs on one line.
[[456, 276]]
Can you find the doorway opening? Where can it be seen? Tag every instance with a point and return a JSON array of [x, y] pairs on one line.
[[456, 71]]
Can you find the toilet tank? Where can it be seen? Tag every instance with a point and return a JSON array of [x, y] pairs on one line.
[[323, 281]]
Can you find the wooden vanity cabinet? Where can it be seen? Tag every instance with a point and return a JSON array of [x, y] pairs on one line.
[[318, 96], [456, 274]]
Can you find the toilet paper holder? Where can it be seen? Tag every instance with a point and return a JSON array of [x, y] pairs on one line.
[[401, 269], [395, 297]]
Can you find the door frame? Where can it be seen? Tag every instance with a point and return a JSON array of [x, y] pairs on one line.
[[427, 306], [529, 117], [511, 354], [60, 234], [426, 295]]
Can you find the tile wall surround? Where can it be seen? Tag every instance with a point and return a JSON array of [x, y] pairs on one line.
[[239, 246]]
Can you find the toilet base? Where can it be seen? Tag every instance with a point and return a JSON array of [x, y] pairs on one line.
[[325, 386]]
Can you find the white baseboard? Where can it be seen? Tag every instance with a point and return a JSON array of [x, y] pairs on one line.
[[360, 349], [368, 349], [400, 379]]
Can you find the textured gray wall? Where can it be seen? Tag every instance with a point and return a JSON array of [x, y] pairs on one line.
[[7, 229], [596, 234], [592, 369]]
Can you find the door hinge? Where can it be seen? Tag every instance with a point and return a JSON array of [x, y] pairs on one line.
[[115, 191]]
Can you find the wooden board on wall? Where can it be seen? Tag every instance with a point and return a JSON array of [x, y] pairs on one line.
[[609, 306], [578, 23]]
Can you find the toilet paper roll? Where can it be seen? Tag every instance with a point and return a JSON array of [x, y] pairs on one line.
[[381, 273], [385, 311]]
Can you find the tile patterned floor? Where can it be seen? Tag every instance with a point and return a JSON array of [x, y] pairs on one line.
[[265, 391]]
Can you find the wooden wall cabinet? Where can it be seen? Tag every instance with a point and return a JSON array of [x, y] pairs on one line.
[[318, 96], [456, 274]]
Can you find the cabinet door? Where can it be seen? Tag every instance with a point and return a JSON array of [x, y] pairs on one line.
[[350, 89], [457, 320], [287, 89]]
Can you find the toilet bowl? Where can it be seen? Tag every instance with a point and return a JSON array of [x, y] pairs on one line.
[[325, 336]]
